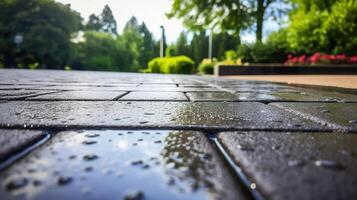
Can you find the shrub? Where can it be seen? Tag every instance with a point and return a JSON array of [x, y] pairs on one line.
[[171, 65], [207, 66], [261, 53]]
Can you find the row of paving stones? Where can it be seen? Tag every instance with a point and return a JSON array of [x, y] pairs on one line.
[[285, 150]]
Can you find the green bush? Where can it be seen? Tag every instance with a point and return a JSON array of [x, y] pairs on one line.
[[171, 65], [262, 53], [207, 66]]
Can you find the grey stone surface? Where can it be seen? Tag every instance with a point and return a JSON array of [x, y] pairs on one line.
[[245, 115], [341, 116], [115, 164], [267, 96], [297, 165], [80, 95], [155, 96], [13, 141], [210, 96], [21, 94]]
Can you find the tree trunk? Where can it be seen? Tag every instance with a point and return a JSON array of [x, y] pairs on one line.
[[260, 20]]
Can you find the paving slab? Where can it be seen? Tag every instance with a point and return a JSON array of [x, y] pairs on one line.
[[221, 115], [81, 95], [268, 97], [154, 96], [14, 140], [21, 94], [335, 115], [296, 165], [117, 164], [16, 87]]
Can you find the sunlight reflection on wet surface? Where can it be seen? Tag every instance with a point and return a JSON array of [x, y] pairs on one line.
[[122, 164]]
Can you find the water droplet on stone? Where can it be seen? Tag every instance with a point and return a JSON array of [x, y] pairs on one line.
[[88, 169], [37, 182], [296, 163], [89, 142], [329, 164], [138, 195], [16, 184], [137, 162], [245, 147], [64, 180], [92, 135], [90, 157]]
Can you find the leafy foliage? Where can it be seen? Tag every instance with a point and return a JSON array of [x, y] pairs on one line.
[[223, 15], [171, 65], [326, 26], [101, 51], [45, 29], [207, 66]]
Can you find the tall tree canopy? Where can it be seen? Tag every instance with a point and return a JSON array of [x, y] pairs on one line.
[[105, 22], [36, 31], [225, 15], [323, 25]]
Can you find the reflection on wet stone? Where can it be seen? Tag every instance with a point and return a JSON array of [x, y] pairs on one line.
[[162, 165]]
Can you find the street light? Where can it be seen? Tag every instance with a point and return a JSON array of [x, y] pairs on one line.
[[210, 41], [162, 41]]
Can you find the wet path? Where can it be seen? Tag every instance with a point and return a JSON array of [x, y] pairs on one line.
[[97, 135]]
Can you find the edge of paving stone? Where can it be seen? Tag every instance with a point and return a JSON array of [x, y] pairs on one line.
[[307, 116], [24, 149]]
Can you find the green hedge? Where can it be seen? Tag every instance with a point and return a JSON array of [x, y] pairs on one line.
[[171, 65], [207, 66]]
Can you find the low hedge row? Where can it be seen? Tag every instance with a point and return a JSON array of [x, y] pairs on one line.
[[171, 65]]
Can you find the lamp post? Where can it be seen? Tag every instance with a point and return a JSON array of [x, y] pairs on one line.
[[210, 41], [162, 42]]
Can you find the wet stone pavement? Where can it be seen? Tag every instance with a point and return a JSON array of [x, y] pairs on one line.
[[101, 135]]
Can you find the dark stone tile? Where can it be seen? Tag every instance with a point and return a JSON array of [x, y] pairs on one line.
[[297, 165], [16, 87], [13, 141], [121, 164], [244, 115], [21, 94], [341, 116], [155, 96], [80, 95], [248, 96]]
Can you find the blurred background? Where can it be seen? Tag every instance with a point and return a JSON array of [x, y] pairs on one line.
[[175, 36]]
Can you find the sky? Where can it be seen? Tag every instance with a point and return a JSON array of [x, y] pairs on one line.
[[152, 12]]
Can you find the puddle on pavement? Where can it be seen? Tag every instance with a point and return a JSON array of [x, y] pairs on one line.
[[122, 165]]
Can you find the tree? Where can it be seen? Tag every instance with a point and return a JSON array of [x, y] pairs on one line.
[[94, 23], [101, 51], [133, 42], [107, 21], [182, 46], [326, 26], [224, 15], [45, 29], [148, 49], [223, 42], [199, 45]]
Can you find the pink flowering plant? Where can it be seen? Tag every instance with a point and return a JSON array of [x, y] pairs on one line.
[[319, 58]]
